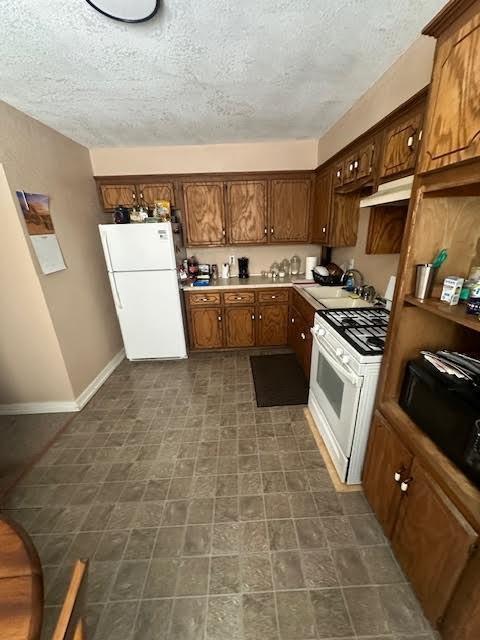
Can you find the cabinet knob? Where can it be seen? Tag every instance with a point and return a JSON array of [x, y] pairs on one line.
[[239, 298], [324, 229], [273, 297], [223, 232], [265, 231], [355, 164], [351, 167], [420, 134], [219, 318], [339, 173], [260, 316], [410, 142], [293, 320], [141, 195], [204, 299], [253, 316], [271, 230], [405, 484], [397, 476], [303, 336], [134, 195]]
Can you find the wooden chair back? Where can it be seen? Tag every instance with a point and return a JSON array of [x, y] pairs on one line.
[[71, 623]]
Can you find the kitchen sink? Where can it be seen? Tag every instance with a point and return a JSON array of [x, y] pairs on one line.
[[345, 303], [321, 293]]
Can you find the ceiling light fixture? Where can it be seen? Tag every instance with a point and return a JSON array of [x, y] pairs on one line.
[[126, 10]]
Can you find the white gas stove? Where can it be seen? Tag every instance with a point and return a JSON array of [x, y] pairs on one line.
[[346, 356]]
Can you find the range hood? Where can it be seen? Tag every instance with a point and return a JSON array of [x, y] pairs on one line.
[[392, 192]]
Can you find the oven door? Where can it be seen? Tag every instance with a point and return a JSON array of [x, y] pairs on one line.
[[336, 390]]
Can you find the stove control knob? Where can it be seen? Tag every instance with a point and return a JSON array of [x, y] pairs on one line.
[[339, 352], [345, 359]]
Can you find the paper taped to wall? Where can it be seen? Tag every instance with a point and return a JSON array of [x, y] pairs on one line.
[[48, 253]]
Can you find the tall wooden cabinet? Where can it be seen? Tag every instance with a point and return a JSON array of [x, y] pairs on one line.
[[452, 134], [323, 194]]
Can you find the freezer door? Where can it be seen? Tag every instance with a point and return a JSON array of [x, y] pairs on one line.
[[138, 247], [150, 315]]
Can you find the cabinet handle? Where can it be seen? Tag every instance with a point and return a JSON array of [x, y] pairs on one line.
[[141, 195], [239, 298], [410, 142], [265, 231], [405, 484], [324, 229], [274, 297], [339, 174], [134, 195], [293, 321], [355, 164], [219, 318], [271, 230], [350, 167], [253, 316], [302, 335], [204, 299], [259, 316]]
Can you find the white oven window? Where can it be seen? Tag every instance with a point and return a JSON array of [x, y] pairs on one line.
[[331, 384]]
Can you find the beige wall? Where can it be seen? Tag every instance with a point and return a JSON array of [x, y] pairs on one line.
[[255, 156], [376, 269], [408, 75], [260, 258], [39, 159], [32, 368]]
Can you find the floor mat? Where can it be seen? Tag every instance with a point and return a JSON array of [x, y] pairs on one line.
[[279, 380]]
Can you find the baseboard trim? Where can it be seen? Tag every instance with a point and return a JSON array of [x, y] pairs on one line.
[[69, 406], [97, 382]]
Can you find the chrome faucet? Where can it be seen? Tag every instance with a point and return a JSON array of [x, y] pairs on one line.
[[358, 278]]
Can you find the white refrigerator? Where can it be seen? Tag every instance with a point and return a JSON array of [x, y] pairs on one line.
[[141, 262]]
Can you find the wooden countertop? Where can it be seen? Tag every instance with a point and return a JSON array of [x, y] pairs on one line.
[[21, 584]]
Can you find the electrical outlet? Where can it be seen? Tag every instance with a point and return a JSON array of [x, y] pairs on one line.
[[231, 259]]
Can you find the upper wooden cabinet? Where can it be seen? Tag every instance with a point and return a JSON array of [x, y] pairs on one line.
[[148, 193], [343, 229], [452, 132], [432, 542], [322, 206], [247, 218], [290, 210], [204, 213], [401, 144], [116, 195]]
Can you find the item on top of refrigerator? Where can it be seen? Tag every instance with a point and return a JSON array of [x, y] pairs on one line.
[[452, 286], [138, 214], [162, 210], [121, 215], [295, 264]]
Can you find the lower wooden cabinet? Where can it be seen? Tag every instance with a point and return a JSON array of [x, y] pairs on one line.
[[206, 328], [300, 339], [431, 539], [272, 325], [387, 462], [240, 326]]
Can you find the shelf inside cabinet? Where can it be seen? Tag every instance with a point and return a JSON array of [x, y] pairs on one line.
[[455, 313]]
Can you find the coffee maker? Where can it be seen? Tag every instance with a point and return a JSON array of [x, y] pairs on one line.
[[243, 268]]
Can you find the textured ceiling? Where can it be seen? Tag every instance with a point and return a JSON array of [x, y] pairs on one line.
[[201, 71]]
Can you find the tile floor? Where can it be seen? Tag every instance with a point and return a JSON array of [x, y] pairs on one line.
[[206, 518]]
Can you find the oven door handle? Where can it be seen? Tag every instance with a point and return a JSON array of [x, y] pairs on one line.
[[357, 381]]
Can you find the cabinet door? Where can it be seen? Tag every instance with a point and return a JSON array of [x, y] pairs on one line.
[[453, 121], [206, 330], [344, 220], [272, 325], [322, 206], [150, 193], [247, 212], [432, 542], [115, 195], [290, 210], [400, 146], [386, 456], [204, 213], [365, 158], [240, 326]]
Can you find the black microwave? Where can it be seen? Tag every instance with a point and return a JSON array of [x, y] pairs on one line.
[[448, 411]]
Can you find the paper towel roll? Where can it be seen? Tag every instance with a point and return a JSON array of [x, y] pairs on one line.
[[310, 263]]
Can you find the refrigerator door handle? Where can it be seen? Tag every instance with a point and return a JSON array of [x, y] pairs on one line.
[[116, 295]]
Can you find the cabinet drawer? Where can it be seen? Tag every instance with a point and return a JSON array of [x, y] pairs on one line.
[[239, 297], [198, 299], [273, 296]]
